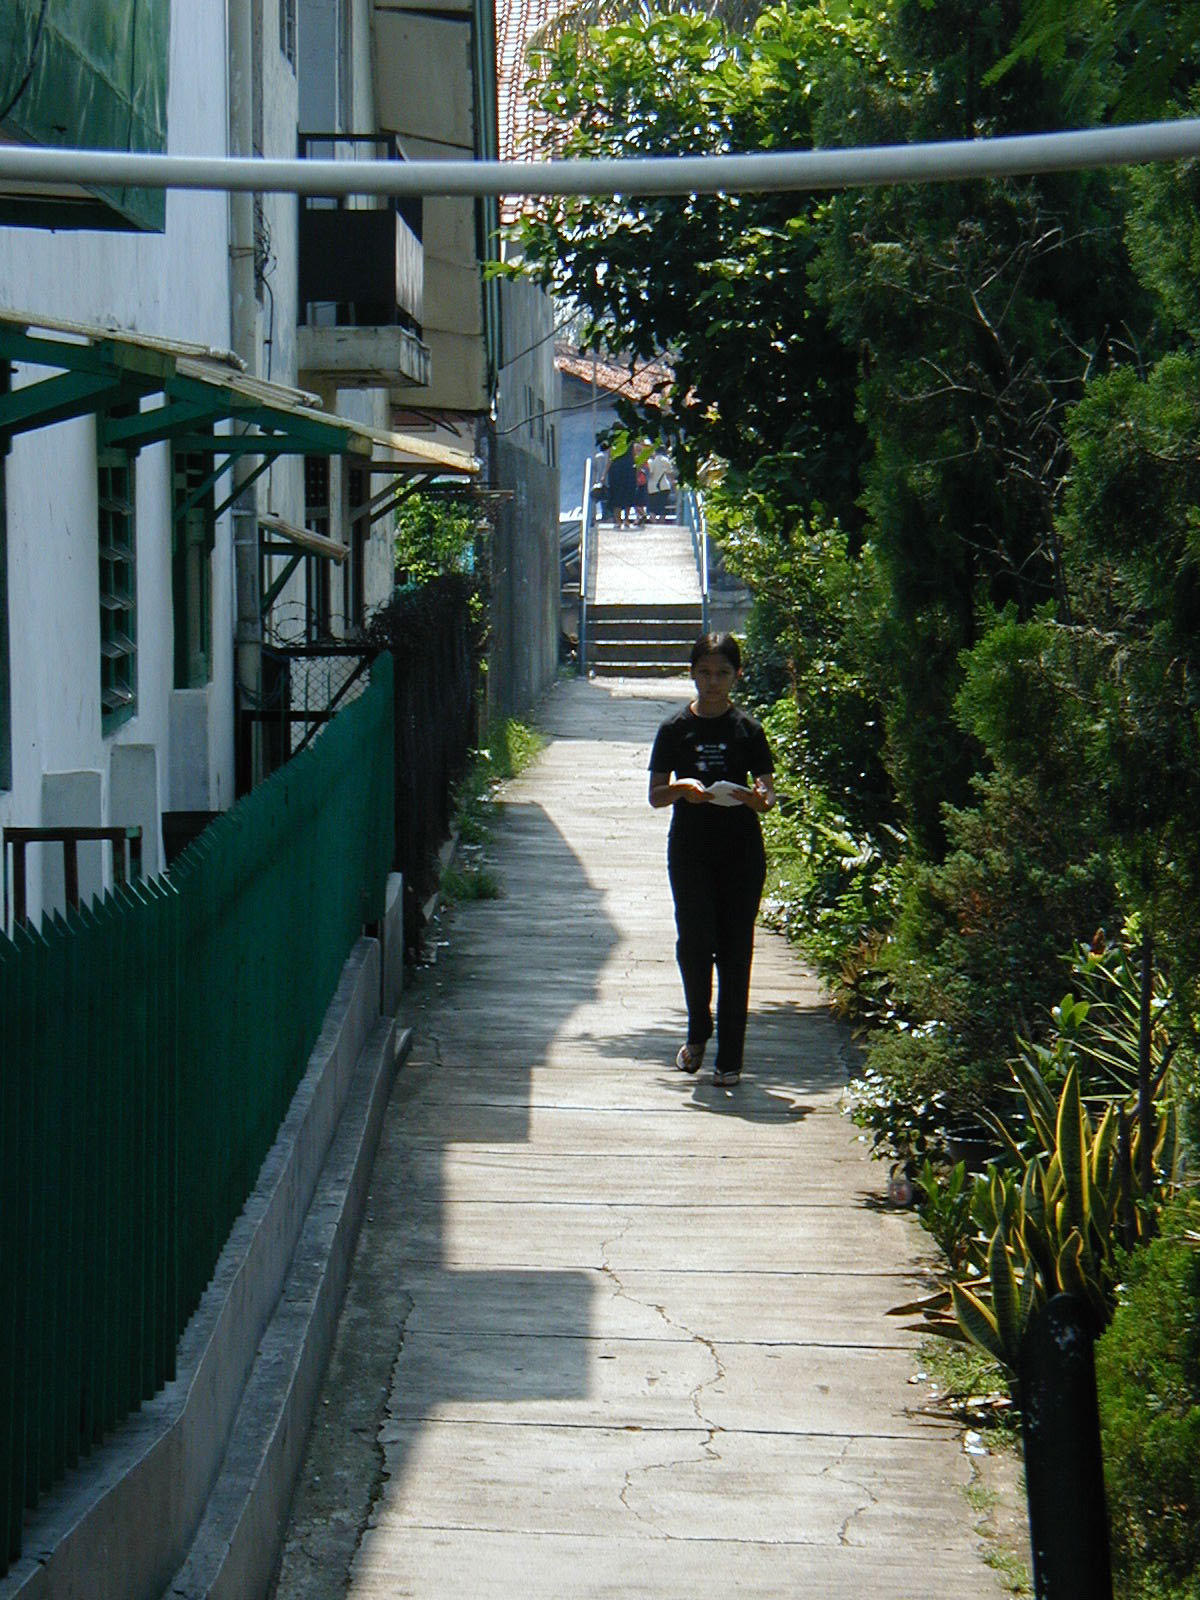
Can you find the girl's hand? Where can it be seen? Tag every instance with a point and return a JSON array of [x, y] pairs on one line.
[[762, 796], [693, 791]]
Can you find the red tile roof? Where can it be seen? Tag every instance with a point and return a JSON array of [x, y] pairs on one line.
[[643, 384], [524, 131]]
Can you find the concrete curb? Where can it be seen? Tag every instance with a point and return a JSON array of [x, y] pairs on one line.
[[237, 1547], [120, 1526]]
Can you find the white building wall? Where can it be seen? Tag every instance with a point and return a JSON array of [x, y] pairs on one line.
[[331, 91], [176, 285]]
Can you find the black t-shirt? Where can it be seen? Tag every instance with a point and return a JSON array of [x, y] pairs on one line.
[[732, 746]]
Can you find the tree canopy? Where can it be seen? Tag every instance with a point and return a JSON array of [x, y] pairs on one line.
[[959, 449]]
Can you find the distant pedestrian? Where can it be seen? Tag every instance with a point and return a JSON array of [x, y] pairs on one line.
[[622, 481], [660, 470], [641, 493], [600, 462], [712, 764]]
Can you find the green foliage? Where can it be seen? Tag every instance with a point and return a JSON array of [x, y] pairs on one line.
[[1058, 1220], [945, 1208], [977, 945], [1131, 523], [511, 746], [823, 599], [434, 538], [1163, 233], [1148, 1377], [1138, 56], [907, 1114], [832, 887], [720, 280], [467, 880], [833, 841]]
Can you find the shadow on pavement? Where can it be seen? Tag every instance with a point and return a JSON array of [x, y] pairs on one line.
[[420, 1327]]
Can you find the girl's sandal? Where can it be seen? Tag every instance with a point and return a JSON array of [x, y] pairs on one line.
[[690, 1057]]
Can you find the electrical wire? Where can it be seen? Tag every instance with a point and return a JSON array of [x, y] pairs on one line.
[[555, 411], [537, 343]]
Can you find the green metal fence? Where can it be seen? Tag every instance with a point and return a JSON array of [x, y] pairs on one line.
[[149, 1048]]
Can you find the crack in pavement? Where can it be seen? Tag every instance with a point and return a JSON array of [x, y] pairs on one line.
[[831, 1471], [709, 1428]]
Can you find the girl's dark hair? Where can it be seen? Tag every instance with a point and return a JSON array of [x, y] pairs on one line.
[[717, 644]]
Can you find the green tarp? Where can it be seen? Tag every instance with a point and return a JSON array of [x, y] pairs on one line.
[[90, 74]]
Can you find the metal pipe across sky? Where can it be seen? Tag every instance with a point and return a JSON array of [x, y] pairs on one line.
[[948, 162]]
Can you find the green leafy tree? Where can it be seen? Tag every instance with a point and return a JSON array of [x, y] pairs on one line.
[[435, 537], [719, 281], [978, 311], [1136, 58]]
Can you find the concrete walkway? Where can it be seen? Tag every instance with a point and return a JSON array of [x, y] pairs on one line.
[[653, 564], [613, 1332]]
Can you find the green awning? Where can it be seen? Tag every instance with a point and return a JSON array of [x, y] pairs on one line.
[[145, 390]]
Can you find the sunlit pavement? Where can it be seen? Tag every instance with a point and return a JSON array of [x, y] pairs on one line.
[[613, 1331]]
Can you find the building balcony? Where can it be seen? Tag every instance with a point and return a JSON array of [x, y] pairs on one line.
[[362, 278]]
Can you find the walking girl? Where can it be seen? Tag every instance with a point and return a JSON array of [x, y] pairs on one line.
[[712, 764]]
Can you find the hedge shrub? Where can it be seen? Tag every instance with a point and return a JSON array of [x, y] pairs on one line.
[[1148, 1376]]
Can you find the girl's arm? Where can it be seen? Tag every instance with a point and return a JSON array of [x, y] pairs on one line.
[[665, 793]]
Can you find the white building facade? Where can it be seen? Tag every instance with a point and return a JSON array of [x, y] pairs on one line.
[[191, 451]]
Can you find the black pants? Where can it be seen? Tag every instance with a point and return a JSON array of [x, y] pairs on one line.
[[717, 881]]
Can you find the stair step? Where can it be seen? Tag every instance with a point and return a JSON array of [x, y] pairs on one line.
[[687, 614], [638, 669], [667, 634], [666, 651]]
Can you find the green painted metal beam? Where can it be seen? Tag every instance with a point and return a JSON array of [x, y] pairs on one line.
[[17, 345], [71, 394], [104, 374], [258, 444], [151, 427], [263, 466]]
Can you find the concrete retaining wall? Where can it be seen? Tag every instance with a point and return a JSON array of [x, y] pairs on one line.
[[525, 583], [121, 1525]]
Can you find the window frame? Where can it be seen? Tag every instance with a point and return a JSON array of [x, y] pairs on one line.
[[6, 774], [117, 560], [193, 538], [287, 31], [318, 605]]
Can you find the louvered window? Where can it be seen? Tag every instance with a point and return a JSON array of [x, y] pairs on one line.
[[191, 570], [318, 618], [118, 589], [287, 30], [5, 703]]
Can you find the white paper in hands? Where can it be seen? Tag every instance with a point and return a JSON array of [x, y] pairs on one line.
[[725, 793]]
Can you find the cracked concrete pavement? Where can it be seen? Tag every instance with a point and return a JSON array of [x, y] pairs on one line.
[[612, 1331]]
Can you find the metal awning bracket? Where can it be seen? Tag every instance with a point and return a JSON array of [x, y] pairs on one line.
[[277, 588], [197, 494]]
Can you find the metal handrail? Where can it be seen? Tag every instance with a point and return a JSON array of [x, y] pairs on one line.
[[584, 530], [691, 503]]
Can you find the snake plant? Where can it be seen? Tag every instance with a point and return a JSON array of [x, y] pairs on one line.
[[1055, 1221]]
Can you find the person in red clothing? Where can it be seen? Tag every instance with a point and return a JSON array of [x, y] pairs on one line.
[[712, 765]]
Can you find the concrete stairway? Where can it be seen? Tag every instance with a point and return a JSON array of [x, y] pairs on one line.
[[640, 639]]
